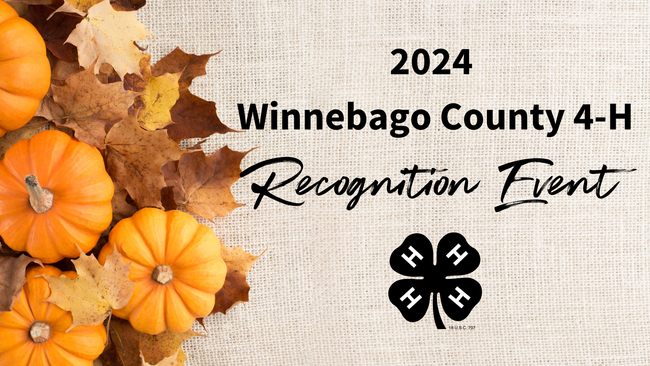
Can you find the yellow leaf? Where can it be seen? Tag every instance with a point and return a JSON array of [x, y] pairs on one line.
[[96, 290], [83, 5], [107, 36], [159, 97]]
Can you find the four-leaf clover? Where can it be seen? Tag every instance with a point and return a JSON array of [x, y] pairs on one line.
[[454, 257]]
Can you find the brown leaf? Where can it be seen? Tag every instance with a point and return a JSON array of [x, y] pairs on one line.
[[235, 289], [54, 30], [135, 157], [191, 66], [110, 356], [192, 116], [5, 251], [107, 36], [89, 105], [63, 70], [134, 347], [12, 279], [107, 74], [26, 132], [202, 184], [128, 5], [173, 181], [95, 292], [121, 208]]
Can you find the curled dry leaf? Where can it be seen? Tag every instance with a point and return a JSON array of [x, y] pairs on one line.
[[95, 292], [135, 348], [89, 105], [134, 158], [235, 289], [193, 117], [26, 132], [128, 5], [107, 36], [54, 30], [12, 279], [202, 184]]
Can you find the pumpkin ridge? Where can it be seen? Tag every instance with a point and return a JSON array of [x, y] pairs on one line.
[[37, 141], [33, 246], [148, 246], [73, 350], [64, 218], [183, 300], [139, 308], [168, 224], [64, 249], [190, 242], [64, 353]]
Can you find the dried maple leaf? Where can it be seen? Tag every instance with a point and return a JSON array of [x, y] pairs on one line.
[[12, 279], [158, 97], [26, 132], [83, 5], [192, 116], [121, 208], [235, 289], [107, 36], [135, 157], [135, 348], [54, 30], [89, 105], [128, 5], [48, 108], [202, 184], [95, 292]]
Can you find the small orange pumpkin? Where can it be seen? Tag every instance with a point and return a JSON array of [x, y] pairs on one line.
[[34, 331], [176, 264], [54, 194], [24, 70]]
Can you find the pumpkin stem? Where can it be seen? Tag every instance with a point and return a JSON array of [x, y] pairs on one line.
[[163, 274], [39, 332], [40, 198]]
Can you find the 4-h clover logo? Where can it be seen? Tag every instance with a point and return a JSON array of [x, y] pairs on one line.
[[414, 258]]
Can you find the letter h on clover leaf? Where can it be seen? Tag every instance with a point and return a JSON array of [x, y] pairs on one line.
[[454, 257]]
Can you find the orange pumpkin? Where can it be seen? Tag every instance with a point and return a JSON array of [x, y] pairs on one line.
[[54, 194], [24, 70], [177, 265], [34, 331]]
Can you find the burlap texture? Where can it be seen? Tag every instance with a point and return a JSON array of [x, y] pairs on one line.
[[565, 283]]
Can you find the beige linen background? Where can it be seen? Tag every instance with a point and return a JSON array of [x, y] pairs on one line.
[[567, 283]]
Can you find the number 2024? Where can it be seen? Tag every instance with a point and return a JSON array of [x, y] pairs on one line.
[[461, 62]]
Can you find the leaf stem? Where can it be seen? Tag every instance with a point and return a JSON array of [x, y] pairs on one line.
[[436, 313]]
